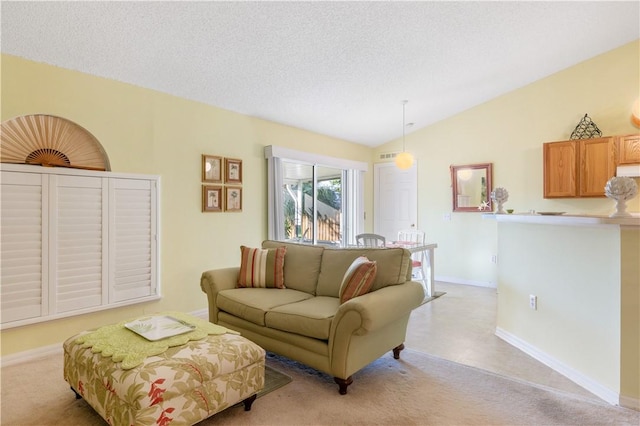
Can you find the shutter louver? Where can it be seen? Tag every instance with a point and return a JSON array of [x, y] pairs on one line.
[[133, 242], [79, 243], [21, 228]]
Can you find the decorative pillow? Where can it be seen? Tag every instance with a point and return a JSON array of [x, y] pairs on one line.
[[262, 267], [358, 278]]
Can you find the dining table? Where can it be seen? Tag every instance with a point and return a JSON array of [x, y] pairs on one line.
[[427, 280]]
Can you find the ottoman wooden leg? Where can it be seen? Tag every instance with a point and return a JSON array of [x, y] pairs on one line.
[[78, 396], [247, 402]]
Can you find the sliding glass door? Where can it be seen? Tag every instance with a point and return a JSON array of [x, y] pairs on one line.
[[313, 202], [312, 198]]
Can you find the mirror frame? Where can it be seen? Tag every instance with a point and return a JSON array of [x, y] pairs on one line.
[[488, 169]]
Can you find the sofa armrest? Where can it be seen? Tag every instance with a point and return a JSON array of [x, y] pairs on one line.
[[215, 280], [374, 310], [367, 326]]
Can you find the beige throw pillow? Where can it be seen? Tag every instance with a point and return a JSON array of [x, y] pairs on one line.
[[262, 267], [358, 279]]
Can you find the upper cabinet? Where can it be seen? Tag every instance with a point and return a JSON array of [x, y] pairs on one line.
[[629, 149], [560, 169], [596, 165], [578, 168]]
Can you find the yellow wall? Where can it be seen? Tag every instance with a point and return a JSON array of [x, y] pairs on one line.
[[144, 131], [575, 273], [509, 132], [587, 281]]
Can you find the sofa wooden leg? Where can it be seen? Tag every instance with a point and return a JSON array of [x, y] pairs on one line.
[[343, 383], [247, 402], [397, 349]]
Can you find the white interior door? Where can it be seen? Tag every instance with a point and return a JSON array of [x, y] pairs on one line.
[[395, 199]]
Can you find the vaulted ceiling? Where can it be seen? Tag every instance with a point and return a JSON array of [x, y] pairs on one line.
[[336, 68]]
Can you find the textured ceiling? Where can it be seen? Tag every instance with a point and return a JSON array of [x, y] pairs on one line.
[[336, 68]]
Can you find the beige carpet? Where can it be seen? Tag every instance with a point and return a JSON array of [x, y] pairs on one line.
[[419, 389]]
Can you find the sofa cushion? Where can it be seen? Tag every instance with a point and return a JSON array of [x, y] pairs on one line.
[[393, 267], [261, 267], [252, 304], [358, 279], [301, 265], [311, 317]]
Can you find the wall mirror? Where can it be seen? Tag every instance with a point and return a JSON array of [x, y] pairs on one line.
[[472, 188]]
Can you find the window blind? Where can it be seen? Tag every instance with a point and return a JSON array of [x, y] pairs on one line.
[[132, 248], [80, 246], [75, 241]]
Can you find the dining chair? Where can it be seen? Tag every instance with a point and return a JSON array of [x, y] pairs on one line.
[[415, 237], [370, 240]]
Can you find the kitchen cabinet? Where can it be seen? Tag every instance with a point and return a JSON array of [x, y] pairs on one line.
[[629, 149], [578, 168], [560, 169]]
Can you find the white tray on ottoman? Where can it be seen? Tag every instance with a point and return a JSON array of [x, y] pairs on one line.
[[184, 384]]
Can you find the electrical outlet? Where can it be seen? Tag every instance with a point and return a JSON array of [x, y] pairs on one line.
[[446, 217], [494, 258], [533, 302]]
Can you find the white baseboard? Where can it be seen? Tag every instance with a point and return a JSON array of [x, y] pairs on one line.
[[579, 378], [201, 313], [32, 354], [456, 280], [56, 348]]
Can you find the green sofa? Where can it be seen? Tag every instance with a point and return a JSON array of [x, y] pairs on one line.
[[306, 322]]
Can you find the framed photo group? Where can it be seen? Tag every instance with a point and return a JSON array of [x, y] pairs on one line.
[[222, 178]]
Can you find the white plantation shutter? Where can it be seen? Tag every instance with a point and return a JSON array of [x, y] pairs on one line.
[[79, 248], [75, 241], [133, 239], [23, 246]]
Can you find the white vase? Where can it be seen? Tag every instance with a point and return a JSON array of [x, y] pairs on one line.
[[621, 209], [499, 196], [621, 189]]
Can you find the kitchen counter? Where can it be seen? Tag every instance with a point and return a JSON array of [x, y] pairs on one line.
[[566, 219]]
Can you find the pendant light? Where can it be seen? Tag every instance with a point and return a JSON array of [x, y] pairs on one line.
[[404, 160]]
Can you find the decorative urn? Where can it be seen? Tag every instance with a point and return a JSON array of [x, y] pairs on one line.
[[621, 189], [500, 196]]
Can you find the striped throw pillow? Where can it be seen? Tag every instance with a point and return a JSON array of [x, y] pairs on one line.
[[358, 279], [262, 267]]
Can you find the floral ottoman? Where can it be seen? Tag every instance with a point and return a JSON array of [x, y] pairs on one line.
[[180, 379]]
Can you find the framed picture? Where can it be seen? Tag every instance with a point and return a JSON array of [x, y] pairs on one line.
[[233, 169], [211, 168], [233, 198], [212, 198]]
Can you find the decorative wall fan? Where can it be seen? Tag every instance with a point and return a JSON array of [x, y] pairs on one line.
[[50, 141]]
